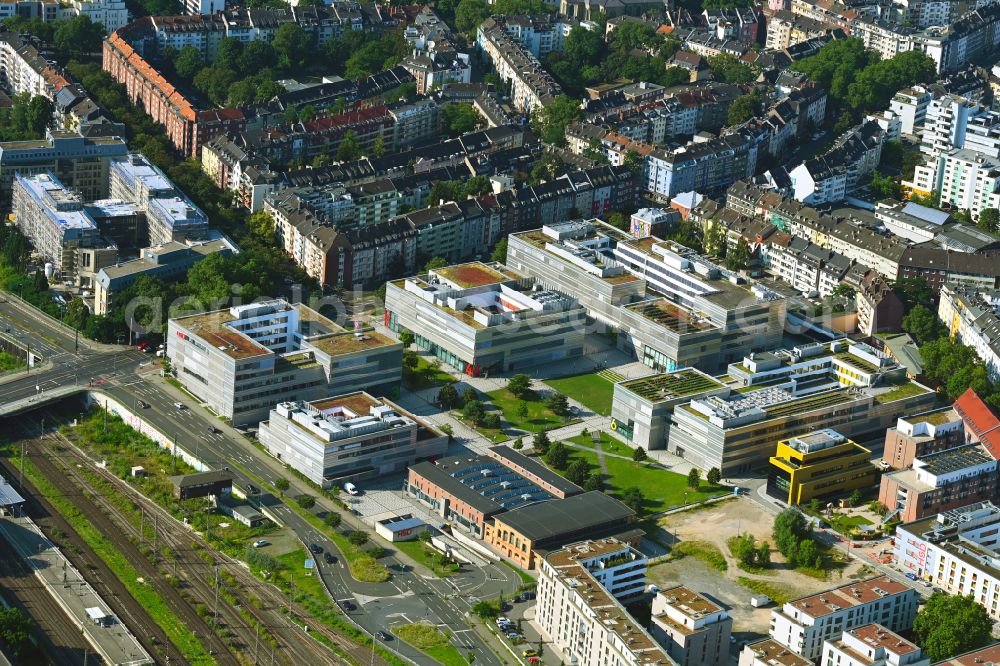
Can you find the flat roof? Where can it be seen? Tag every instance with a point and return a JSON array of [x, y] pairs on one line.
[[200, 478], [937, 417], [875, 635], [211, 327], [547, 520], [472, 274], [956, 459], [689, 602], [669, 315], [8, 495], [672, 385], [538, 469], [773, 653], [846, 596], [538, 238], [986, 655], [347, 342]]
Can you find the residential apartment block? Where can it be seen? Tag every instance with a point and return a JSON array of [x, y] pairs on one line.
[[582, 618], [872, 645], [532, 87], [770, 652], [693, 629], [170, 215], [921, 435], [348, 437], [54, 220], [481, 319], [804, 624], [79, 163], [955, 551], [973, 319], [244, 360], [168, 262]]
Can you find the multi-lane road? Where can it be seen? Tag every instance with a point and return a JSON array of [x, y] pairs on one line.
[[128, 375]]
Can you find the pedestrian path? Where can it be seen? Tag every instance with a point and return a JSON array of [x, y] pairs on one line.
[[78, 599]]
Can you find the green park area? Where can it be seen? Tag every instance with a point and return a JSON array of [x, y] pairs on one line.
[[591, 390], [430, 640], [530, 414]]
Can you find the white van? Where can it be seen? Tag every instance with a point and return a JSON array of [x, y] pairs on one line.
[[351, 489]]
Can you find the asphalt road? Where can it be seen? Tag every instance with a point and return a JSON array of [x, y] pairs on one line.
[[119, 372]]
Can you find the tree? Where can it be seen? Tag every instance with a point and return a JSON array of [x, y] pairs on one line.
[[435, 263], [989, 220], [292, 44], [744, 549], [447, 430], [260, 226], [410, 360], [349, 148], [886, 187], [15, 628], [378, 147], [306, 501], [633, 161], [744, 108], [332, 519], [281, 483], [764, 554], [790, 527], [855, 498], [459, 118], [694, 478], [518, 444], [522, 409], [358, 537], [739, 257], [557, 456], [951, 625], [470, 13], [520, 385], [618, 221], [447, 397], [727, 67], [583, 46], [633, 498], [807, 554], [77, 36], [474, 410], [553, 119], [594, 482], [491, 420], [913, 292], [500, 251], [558, 404], [540, 442], [713, 476], [468, 395], [923, 324], [639, 454], [578, 471]]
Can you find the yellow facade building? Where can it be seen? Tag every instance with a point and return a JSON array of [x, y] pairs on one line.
[[818, 464]]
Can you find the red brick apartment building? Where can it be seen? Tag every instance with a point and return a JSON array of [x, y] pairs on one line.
[[188, 127]]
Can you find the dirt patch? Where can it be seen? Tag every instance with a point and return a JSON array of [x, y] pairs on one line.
[[715, 525]]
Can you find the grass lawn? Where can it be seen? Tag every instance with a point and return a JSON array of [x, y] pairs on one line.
[[779, 592], [427, 556], [661, 488], [305, 580], [495, 435], [539, 416], [429, 639], [10, 363], [425, 375], [590, 389], [702, 550], [608, 444], [847, 524], [526, 578]]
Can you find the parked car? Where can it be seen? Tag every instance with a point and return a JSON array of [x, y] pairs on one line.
[[529, 653], [260, 543], [911, 576]]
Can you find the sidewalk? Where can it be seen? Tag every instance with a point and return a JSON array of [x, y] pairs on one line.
[[111, 639]]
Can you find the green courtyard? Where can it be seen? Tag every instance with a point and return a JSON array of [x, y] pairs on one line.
[[536, 416], [591, 390], [661, 488]]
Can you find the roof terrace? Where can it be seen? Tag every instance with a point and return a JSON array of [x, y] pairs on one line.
[[669, 386], [668, 315]]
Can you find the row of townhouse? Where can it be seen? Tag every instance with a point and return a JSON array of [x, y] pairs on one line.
[[242, 164], [951, 45], [24, 68], [531, 86], [832, 176], [785, 29], [659, 112], [859, 240], [321, 238]]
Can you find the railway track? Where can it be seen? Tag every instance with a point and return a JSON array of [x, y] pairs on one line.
[[265, 603], [57, 636], [95, 572]]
